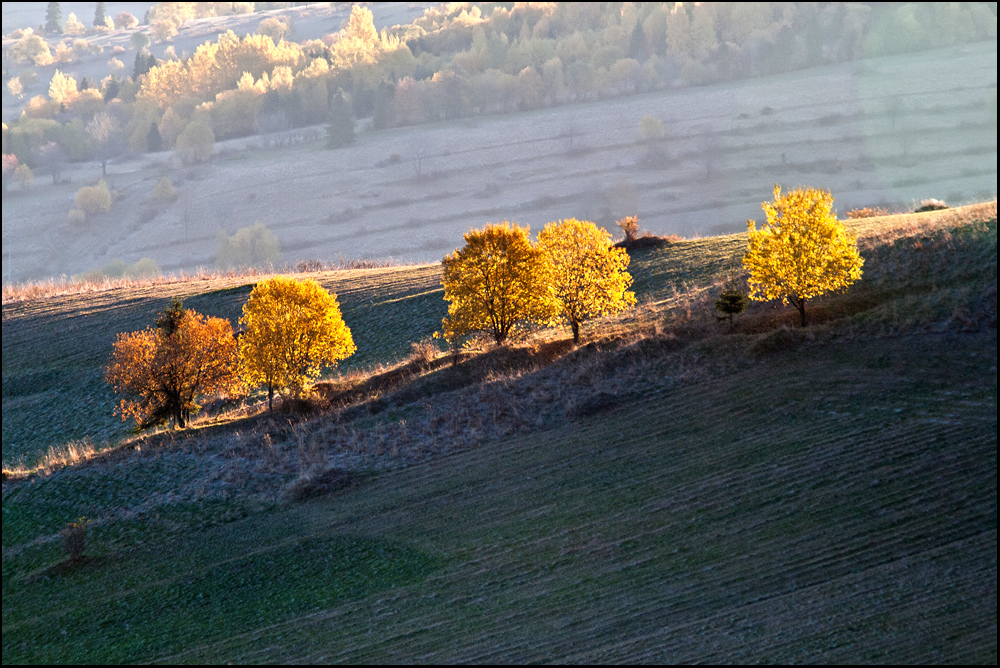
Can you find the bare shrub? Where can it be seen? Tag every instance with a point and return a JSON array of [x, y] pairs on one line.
[[319, 482], [630, 226], [867, 212], [75, 538], [424, 351]]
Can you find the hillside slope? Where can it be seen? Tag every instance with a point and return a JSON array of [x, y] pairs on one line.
[[667, 492]]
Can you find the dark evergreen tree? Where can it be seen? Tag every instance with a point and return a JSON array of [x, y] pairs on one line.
[[340, 129], [111, 89], [637, 44], [154, 142], [143, 63], [732, 301], [53, 18], [100, 18], [170, 320], [385, 110]]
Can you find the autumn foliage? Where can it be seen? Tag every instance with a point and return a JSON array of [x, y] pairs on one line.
[[589, 275], [163, 372], [497, 281], [292, 329], [802, 251]]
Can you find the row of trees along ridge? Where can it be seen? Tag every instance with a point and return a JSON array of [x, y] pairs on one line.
[[496, 283], [291, 330]]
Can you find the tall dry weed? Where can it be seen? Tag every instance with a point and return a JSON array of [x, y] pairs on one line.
[[55, 458]]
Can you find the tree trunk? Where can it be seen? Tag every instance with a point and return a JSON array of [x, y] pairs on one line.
[[801, 304], [270, 398], [576, 331]]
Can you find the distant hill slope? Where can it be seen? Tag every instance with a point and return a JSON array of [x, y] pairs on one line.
[[667, 492], [882, 131]]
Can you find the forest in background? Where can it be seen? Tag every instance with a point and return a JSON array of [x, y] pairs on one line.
[[456, 60]]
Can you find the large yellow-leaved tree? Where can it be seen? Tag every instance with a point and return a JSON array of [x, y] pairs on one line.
[[802, 251], [498, 280], [163, 372], [589, 275], [291, 330]]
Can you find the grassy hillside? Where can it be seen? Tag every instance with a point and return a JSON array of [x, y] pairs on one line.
[[54, 349], [667, 492]]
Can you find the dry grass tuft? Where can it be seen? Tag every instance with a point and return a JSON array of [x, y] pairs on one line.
[[57, 457], [320, 482]]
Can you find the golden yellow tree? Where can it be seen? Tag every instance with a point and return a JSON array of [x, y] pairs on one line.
[[590, 276], [802, 251], [292, 329], [499, 279], [163, 372], [62, 89]]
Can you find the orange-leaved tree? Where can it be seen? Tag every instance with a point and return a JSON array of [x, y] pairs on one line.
[[802, 251], [163, 372], [589, 274], [292, 329], [497, 281]]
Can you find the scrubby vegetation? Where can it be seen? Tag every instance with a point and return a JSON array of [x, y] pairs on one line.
[[251, 246], [93, 199]]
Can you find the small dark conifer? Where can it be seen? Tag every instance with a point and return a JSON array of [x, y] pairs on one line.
[[154, 141], [53, 18], [732, 301], [340, 129], [100, 17]]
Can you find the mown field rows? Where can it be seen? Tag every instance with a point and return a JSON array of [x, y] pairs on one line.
[[836, 503]]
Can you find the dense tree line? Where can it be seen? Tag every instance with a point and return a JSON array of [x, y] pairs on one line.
[[457, 60]]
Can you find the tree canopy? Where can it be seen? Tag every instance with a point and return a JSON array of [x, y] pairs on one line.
[[802, 251], [589, 275], [495, 282], [292, 329], [163, 372]]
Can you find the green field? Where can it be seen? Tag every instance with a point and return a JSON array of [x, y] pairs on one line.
[[769, 495]]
